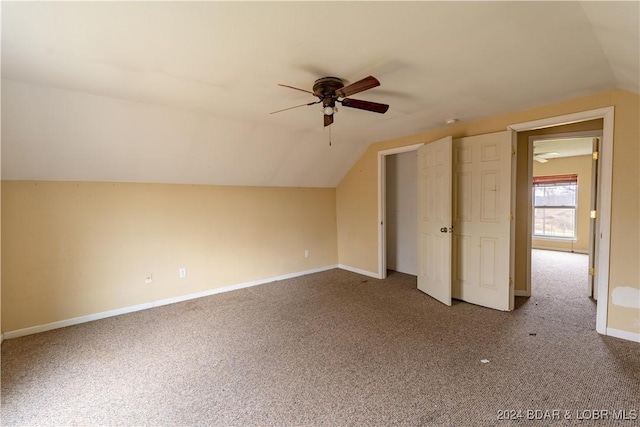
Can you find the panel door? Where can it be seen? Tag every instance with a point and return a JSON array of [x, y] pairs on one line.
[[482, 220], [434, 219]]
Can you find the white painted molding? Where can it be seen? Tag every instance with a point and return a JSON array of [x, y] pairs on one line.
[[512, 227], [399, 150], [630, 336], [522, 293], [117, 312], [575, 251], [625, 335], [562, 120], [359, 271]]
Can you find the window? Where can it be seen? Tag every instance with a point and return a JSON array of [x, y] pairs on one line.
[[554, 206]]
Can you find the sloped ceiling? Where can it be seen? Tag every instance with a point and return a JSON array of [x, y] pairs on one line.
[[181, 91]]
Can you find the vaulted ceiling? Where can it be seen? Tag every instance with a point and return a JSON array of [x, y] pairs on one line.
[[181, 91]]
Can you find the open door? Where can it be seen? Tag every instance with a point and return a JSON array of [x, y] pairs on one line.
[[593, 240], [464, 210], [434, 219], [482, 220]]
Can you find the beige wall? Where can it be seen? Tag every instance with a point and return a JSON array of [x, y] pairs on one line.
[[357, 193], [73, 249], [581, 166]]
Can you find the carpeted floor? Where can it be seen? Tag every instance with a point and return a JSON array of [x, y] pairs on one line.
[[330, 349]]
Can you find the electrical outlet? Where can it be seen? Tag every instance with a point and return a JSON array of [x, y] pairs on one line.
[[182, 272], [306, 253], [148, 279]]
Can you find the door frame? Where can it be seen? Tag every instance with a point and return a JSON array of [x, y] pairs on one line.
[[581, 134], [382, 203], [604, 193]]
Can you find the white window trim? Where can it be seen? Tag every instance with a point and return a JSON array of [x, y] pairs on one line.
[[574, 238]]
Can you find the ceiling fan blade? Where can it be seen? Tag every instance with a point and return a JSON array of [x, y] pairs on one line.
[[540, 159], [301, 90], [297, 106], [365, 105], [359, 86], [328, 120]]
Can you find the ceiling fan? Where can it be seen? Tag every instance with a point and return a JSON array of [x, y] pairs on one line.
[[330, 90], [544, 157]]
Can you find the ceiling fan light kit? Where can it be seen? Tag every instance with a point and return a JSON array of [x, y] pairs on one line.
[[328, 111], [330, 90]]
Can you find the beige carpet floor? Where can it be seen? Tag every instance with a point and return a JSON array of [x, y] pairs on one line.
[[330, 349]]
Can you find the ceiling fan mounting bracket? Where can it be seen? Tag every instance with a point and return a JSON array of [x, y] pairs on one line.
[[327, 87]]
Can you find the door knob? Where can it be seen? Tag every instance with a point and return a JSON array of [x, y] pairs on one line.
[[444, 230]]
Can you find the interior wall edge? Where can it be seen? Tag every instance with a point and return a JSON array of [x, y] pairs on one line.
[[359, 271]]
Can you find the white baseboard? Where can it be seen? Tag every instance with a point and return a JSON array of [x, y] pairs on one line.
[[521, 293], [576, 251], [111, 313], [359, 271], [625, 335], [630, 336]]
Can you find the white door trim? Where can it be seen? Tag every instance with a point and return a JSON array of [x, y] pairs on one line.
[[604, 192], [382, 203]]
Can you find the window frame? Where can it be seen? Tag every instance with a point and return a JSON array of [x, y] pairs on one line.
[[549, 181]]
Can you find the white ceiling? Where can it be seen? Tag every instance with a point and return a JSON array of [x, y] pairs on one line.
[[181, 91], [562, 147]]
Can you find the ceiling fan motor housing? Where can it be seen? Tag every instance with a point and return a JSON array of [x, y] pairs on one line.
[[325, 89], [327, 86]]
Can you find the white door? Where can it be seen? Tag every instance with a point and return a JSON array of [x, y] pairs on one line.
[[434, 219], [482, 220]]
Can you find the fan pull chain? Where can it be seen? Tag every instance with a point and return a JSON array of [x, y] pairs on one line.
[[329, 136]]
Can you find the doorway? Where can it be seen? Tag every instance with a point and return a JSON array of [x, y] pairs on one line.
[[604, 119], [401, 212], [383, 200], [521, 246], [467, 224], [563, 175]]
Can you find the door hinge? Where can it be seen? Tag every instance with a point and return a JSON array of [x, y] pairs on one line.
[[513, 150], [511, 281], [592, 271], [511, 216], [595, 155], [593, 214]]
